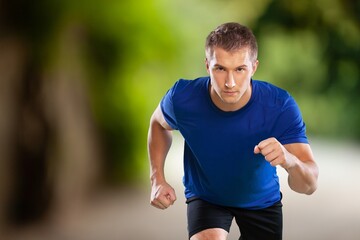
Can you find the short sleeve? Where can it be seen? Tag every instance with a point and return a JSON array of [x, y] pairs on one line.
[[167, 108], [293, 128]]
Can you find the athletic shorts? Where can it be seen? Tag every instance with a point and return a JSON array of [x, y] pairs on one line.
[[262, 224]]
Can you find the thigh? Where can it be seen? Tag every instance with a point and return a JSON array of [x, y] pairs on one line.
[[203, 215], [262, 224], [211, 233]]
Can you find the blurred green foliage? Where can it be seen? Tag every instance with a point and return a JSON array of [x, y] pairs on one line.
[[312, 48], [135, 51]]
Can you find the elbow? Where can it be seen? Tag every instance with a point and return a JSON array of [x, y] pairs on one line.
[[307, 188], [311, 189], [313, 183], [306, 184]]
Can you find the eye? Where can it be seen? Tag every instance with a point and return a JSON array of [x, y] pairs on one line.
[[240, 69], [219, 68]]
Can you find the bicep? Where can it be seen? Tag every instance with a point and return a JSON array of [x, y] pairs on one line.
[[158, 117], [301, 150]]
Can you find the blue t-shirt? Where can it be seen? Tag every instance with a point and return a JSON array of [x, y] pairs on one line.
[[219, 161]]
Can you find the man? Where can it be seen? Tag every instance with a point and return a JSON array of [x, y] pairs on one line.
[[237, 131]]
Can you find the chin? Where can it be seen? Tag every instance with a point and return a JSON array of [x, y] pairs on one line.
[[231, 101]]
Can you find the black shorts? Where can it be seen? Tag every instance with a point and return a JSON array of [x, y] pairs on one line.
[[262, 224]]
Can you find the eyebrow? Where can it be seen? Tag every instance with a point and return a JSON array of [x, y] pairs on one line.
[[241, 66]]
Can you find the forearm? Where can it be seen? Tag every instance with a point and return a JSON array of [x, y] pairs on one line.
[[303, 176], [159, 142]]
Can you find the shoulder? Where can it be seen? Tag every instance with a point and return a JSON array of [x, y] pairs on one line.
[[271, 95], [186, 83], [185, 87]]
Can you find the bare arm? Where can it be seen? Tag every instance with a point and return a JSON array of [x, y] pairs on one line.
[[297, 159], [302, 169], [159, 143]]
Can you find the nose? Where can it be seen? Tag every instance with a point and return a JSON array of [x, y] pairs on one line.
[[230, 82]]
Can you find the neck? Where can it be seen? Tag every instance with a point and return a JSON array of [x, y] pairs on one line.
[[230, 106]]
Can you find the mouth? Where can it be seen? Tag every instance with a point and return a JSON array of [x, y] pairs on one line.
[[230, 93]]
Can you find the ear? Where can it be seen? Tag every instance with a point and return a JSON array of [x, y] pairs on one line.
[[207, 65], [254, 67]]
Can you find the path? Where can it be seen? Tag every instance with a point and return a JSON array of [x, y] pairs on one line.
[[333, 212]]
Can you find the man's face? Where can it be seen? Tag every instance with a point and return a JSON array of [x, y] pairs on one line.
[[230, 74]]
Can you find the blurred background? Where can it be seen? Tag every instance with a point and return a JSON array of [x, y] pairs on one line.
[[79, 81]]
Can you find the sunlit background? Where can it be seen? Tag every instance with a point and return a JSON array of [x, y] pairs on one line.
[[79, 81]]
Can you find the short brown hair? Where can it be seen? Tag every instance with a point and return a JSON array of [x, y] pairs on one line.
[[231, 36]]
